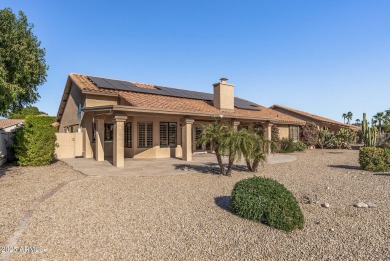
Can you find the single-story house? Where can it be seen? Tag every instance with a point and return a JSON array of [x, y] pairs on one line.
[[7, 127], [122, 119], [322, 122]]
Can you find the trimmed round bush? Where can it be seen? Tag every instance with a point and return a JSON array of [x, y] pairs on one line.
[[267, 201]]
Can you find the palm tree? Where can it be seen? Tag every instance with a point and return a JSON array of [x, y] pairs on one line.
[[349, 117], [344, 116], [380, 117], [213, 134], [253, 148], [357, 121]]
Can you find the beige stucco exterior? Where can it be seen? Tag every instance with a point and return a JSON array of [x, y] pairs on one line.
[[100, 109], [224, 96]]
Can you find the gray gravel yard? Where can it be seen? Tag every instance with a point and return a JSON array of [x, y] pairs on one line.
[[185, 217]]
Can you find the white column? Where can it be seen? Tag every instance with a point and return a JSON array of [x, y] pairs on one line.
[[187, 138], [119, 141], [99, 139]]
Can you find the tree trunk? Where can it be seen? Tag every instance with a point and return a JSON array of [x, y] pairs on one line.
[[230, 165], [255, 165], [248, 164], [219, 160]]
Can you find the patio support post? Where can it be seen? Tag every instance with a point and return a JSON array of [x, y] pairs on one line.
[[87, 136], [187, 137], [99, 139], [268, 136], [119, 141], [235, 125]]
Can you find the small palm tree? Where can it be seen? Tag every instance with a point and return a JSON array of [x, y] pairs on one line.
[[357, 121], [213, 134], [253, 149], [349, 117], [344, 116], [380, 118]]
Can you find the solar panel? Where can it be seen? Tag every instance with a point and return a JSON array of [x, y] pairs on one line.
[[166, 91]]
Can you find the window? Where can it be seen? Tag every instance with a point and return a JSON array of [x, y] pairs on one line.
[[108, 132], [145, 134], [128, 135], [93, 131], [294, 133], [168, 134], [79, 111]]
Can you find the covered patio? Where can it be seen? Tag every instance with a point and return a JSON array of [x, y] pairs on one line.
[[201, 163], [122, 132]]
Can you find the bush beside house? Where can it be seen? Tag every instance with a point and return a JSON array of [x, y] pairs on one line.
[[35, 143], [374, 159]]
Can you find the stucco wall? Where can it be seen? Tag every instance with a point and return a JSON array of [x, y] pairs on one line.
[[155, 152], [69, 116], [99, 100]]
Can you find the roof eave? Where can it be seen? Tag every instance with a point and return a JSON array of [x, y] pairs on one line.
[[125, 108]]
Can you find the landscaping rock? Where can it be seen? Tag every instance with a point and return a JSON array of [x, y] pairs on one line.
[[325, 205], [371, 205], [361, 205]]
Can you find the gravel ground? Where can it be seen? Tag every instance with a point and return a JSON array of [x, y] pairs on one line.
[[186, 217], [21, 189]]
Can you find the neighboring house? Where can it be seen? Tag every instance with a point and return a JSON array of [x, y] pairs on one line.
[[322, 122], [123, 119], [7, 127]]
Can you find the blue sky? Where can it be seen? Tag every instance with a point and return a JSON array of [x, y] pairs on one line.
[[325, 57]]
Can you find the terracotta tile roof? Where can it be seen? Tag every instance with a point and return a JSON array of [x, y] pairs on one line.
[[152, 101], [314, 117], [4, 123]]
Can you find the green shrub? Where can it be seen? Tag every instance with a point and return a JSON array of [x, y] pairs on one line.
[[267, 201], [286, 145], [374, 159], [343, 138], [289, 146], [325, 139], [34, 144], [299, 146]]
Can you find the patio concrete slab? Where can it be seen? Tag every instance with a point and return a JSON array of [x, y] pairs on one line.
[[159, 167]]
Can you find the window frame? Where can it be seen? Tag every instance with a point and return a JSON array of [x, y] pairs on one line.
[[147, 136], [128, 135], [168, 134]]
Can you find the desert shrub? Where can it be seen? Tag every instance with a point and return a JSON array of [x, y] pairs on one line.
[[299, 146], [34, 144], [286, 145], [289, 146], [267, 201], [343, 138], [374, 159], [309, 134], [325, 139]]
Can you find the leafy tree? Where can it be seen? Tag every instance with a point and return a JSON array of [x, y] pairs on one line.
[[22, 62], [23, 113], [379, 118]]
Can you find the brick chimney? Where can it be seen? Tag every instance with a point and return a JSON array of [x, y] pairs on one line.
[[224, 95]]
